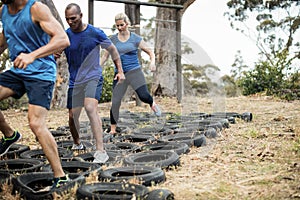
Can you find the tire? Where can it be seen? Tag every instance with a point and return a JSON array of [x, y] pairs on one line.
[[107, 137], [210, 123], [109, 146], [39, 154], [15, 150], [67, 144], [172, 126], [162, 159], [145, 175], [247, 116], [69, 167], [224, 122], [150, 130], [127, 147], [224, 115], [199, 140], [178, 147], [30, 186], [211, 133], [59, 133], [111, 191], [160, 194], [137, 138], [113, 157], [20, 166], [187, 129], [191, 139]]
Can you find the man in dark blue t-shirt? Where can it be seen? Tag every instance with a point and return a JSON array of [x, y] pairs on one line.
[[85, 83]]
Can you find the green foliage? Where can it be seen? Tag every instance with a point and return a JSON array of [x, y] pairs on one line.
[[278, 24], [108, 76], [272, 80], [11, 103], [4, 60]]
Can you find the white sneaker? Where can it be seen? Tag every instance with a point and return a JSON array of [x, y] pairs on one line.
[[156, 109], [78, 147], [100, 157]]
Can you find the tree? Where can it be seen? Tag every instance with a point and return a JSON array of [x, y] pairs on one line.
[[168, 30], [60, 95], [277, 27]]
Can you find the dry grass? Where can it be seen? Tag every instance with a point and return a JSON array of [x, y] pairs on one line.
[[256, 160]]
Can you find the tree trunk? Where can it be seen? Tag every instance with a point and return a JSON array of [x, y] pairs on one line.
[[60, 92], [167, 42]]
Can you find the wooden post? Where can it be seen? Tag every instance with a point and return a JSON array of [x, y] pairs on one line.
[[178, 56], [91, 12]]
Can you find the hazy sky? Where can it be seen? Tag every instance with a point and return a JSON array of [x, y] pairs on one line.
[[203, 26]]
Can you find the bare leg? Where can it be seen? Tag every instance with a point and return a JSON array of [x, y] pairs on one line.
[[90, 105], [113, 128], [74, 125], [4, 127], [37, 122]]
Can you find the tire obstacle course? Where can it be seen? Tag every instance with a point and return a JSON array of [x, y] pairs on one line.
[[141, 153]]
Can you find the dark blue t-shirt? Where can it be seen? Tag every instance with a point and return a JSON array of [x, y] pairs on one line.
[[83, 55]]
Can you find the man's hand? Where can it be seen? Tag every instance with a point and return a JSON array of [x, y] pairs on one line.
[[22, 60], [57, 55]]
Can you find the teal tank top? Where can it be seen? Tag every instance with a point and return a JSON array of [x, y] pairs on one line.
[[23, 35]]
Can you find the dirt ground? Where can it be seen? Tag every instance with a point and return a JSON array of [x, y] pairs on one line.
[[249, 160]]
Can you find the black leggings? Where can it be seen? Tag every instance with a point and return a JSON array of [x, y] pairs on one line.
[[136, 79]]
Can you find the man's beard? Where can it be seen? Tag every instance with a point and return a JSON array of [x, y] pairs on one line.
[[7, 1]]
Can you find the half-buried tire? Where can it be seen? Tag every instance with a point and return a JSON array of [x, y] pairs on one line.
[[144, 175], [160, 194], [20, 166], [111, 191], [160, 158], [36, 185], [178, 147]]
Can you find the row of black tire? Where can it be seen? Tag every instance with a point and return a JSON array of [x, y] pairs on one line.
[[144, 146]]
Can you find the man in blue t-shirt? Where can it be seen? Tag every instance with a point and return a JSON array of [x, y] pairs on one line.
[[85, 82]]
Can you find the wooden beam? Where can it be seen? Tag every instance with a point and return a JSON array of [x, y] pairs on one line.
[[145, 3]]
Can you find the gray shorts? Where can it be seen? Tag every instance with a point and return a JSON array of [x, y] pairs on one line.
[[91, 89]]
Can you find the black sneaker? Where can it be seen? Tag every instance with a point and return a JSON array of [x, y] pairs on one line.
[[6, 142], [58, 182]]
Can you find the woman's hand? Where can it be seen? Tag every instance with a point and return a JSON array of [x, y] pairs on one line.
[[152, 67], [120, 77]]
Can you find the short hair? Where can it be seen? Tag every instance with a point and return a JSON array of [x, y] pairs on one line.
[[123, 16], [75, 5]]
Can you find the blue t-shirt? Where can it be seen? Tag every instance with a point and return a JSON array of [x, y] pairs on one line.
[[83, 55], [128, 51], [24, 36]]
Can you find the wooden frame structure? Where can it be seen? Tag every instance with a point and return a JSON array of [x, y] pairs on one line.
[[178, 30]]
